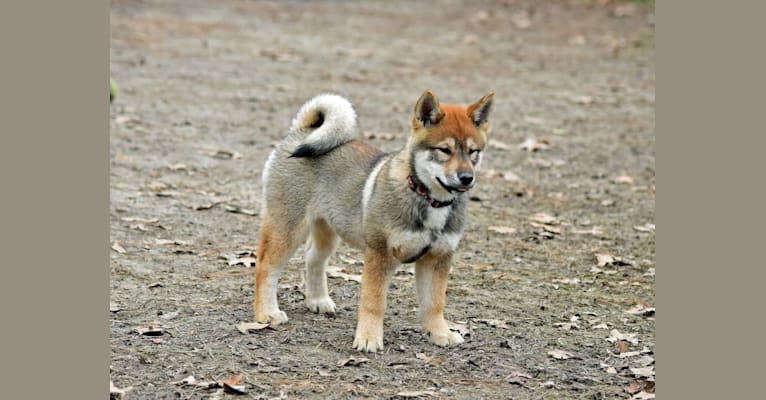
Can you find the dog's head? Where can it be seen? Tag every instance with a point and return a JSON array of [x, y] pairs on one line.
[[448, 141]]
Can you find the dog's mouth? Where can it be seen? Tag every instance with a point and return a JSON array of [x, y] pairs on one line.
[[452, 189]]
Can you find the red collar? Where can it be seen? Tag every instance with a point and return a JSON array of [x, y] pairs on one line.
[[423, 192]]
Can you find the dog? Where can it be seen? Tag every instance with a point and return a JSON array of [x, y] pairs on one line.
[[322, 184]]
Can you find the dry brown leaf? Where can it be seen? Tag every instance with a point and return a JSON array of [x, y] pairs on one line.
[[246, 327], [141, 220], [230, 385], [152, 329], [531, 144], [622, 347], [519, 378], [239, 210], [644, 228], [481, 267], [615, 335], [544, 218], [623, 179], [206, 206], [643, 372], [560, 354], [116, 393], [163, 242], [582, 100], [224, 154], [506, 230], [352, 360], [595, 231], [246, 261], [640, 309], [413, 393], [337, 273], [433, 360], [459, 327], [495, 323], [118, 248]]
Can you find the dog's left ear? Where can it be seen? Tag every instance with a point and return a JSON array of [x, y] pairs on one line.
[[427, 110], [479, 112]]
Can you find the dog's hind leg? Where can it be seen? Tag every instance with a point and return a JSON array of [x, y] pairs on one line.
[[321, 245], [276, 245]]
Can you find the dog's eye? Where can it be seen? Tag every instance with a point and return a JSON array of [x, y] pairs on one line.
[[444, 150]]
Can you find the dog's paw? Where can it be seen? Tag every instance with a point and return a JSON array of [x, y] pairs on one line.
[[273, 318], [445, 339], [322, 305], [368, 343]]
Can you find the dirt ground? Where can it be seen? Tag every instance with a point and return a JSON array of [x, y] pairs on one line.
[[207, 88]]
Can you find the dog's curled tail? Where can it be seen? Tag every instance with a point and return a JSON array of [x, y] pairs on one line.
[[327, 121]]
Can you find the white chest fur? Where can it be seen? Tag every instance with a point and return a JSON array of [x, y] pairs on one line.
[[436, 218]]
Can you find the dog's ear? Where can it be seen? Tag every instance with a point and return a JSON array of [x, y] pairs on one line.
[[427, 111], [479, 112]]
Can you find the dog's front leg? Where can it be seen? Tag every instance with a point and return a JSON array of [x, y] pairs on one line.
[[378, 268], [431, 274]]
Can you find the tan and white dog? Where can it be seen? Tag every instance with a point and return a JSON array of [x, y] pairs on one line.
[[324, 184]]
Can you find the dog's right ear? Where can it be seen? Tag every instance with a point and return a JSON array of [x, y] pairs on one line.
[[427, 111]]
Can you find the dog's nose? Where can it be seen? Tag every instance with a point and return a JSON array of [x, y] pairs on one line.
[[466, 179]]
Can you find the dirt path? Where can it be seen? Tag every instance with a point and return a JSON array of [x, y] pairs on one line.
[[208, 87]]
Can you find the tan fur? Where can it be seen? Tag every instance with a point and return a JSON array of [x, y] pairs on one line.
[[323, 184]]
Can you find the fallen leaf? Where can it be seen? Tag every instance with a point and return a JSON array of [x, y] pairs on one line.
[[644, 228], [495, 323], [641, 310], [150, 330], [582, 100], [595, 231], [544, 218], [481, 267], [239, 210], [206, 206], [615, 335], [246, 261], [177, 167], [560, 354], [603, 260], [138, 227], [230, 385], [163, 242], [224, 154], [531, 144], [154, 285], [623, 179], [245, 327], [118, 248], [157, 186], [507, 230], [337, 273], [170, 315], [141, 220], [420, 393], [116, 393], [433, 360], [353, 361], [459, 327], [518, 378], [622, 347]]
